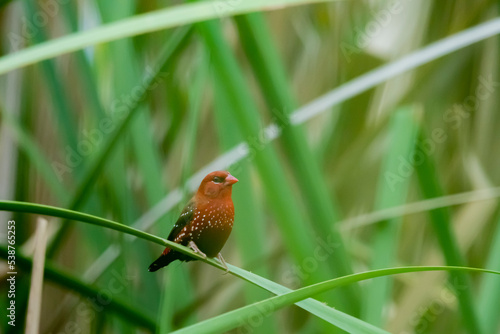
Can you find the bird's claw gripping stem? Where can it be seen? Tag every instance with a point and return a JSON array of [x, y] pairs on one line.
[[221, 259], [195, 248]]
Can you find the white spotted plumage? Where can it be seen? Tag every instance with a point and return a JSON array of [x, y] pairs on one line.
[[207, 220]]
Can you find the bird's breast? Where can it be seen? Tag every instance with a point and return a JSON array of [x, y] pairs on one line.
[[210, 227]]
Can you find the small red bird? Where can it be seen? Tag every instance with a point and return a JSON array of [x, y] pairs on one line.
[[205, 223]]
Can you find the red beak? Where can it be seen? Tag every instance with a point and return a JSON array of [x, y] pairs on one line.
[[230, 180]]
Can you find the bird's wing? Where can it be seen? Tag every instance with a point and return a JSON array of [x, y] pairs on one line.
[[185, 218]]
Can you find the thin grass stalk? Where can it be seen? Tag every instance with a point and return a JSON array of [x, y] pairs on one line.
[[36, 288], [488, 301], [35, 156], [87, 78], [128, 77], [61, 105], [256, 40], [441, 221], [392, 191], [179, 291], [250, 228], [51, 273]]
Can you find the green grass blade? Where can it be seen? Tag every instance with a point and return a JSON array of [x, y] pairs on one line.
[[56, 88], [184, 294], [132, 81], [251, 229], [196, 95], [392, 191], [139, 24], [441, 221], [489, 294], [35, 156], [329, 314], [244, 315], [420, 206], [87, 77], [53, 211], [385, 72]]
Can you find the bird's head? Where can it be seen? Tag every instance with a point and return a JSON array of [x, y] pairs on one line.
[[217, 185]]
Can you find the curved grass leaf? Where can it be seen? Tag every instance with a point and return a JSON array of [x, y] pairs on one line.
[[383, 73], [53, 211], [420, 206], [333, 316], [136, 25], [246, 315]]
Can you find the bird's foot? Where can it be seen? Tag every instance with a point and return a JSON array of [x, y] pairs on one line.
[[221, 259], [195, 248]]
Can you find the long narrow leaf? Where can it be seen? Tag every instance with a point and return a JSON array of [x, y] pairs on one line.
[[140, 24], [245, 315]]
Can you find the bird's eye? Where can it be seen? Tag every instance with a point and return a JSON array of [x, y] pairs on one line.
[[218, 179]]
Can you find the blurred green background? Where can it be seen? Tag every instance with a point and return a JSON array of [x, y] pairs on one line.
[[125, 130]]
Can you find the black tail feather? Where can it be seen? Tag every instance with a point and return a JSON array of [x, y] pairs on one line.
[[163, 261]]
